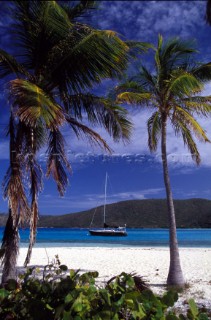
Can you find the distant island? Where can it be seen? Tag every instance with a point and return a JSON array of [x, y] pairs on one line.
[[150, 213]]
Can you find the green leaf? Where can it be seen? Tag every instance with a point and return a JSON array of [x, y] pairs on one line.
[[33, 104], [139, 312], [193, 308], [66, 315], [203, 316], [11, 285], [171, 317], [49, 307], [106, 296], [72, 273], [130, 303], [68, 298], [106, 315], [59, 310], [169, 298], [3, 293]]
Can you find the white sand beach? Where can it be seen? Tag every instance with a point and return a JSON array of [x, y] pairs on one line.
[[152, 263]]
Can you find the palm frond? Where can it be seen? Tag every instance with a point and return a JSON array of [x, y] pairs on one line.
[[181, 128], [169, 56], [80, 9], [175, 51], [9, 65], [202, 72], [158, 53], [183, 84], [38, 26], [134, 98], [198, 105], [103, 54], [154, 130], [57, 163], [191, 123], [82, 131], [102, 111], [32, 104], [198, 99], [146, 80], [137, 47], [129, 86], [15, 193], [13, 184], [29, 143]]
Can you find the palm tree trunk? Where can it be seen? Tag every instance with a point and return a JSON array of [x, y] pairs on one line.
[[10, 241], [10, 249], [34, 204], [175, 276]]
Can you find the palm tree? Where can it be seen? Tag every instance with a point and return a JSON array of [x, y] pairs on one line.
[[58, 61], [172, 92]]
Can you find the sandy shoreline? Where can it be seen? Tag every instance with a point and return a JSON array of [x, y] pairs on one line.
[[152, 263]]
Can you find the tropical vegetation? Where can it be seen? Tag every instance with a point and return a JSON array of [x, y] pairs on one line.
[[50, 74], [60, 295], [172, 92]]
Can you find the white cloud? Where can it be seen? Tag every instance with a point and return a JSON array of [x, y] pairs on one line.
[[74, 203], [143, 20]]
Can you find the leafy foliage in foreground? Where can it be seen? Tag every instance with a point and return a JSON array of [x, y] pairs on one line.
[[76, 296]]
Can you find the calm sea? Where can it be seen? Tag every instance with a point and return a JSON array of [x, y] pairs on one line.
[[136, 237]]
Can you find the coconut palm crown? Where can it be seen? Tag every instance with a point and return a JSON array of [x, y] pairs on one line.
[[50, 81], [172, 93]]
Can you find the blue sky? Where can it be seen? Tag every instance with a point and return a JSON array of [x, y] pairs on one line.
[[133, 172]]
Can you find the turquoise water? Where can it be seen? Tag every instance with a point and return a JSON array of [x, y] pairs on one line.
[[136, 237]]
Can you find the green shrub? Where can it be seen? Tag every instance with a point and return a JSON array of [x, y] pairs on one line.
[[57, 295]]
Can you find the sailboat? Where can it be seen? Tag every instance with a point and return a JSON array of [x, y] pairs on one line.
[[108, 230]]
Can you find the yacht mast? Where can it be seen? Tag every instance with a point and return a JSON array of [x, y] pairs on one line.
[[104, 213]]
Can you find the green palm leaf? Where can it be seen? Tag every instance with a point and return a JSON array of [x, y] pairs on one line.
[[9, 65], [57, 161], [154, 130], [170, 91], [103, 54], [183, 84], [101, 111], [202, 72], [180, 127], [82, 131], [32, 104], [199, 105], [13, 186], [191, 123], [79, 9], [134, 98], [64, 59]]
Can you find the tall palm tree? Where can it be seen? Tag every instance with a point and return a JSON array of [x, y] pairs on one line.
[[58, 61], [172, 90]]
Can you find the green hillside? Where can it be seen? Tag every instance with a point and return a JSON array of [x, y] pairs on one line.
[[152, 213]]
